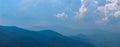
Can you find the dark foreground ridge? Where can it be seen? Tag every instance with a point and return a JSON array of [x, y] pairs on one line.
[[11, 36]]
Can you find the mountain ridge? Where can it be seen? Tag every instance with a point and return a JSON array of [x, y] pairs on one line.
[[102, 38], [17, 37]]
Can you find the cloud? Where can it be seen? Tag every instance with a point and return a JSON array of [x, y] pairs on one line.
[[112, 6], [86, 6], [110, 9], [102, 21], [101, 9], [82, 9], [81, 12], [96, 2], [103, 14], [83, 5], [117, 13], [61, 15]]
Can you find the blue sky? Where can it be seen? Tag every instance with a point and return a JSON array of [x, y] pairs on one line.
[[72, 14]]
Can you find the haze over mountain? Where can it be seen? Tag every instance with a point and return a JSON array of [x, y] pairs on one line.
[[17, 37], [57, 14], [75, 22], [100, 38]]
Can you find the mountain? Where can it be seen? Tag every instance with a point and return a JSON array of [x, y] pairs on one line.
[[101, 38], [11, 36]]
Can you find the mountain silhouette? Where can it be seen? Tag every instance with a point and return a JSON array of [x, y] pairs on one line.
[[11, 36], [101, 38]]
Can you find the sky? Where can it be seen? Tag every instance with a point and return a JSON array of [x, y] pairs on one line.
[[61, 15]]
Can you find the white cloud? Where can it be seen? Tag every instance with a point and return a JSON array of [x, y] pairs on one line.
[[117, 13], [61, 15], [96, 2], [105, 19], [82, 1], [101, 9], [102, 21], [110, 0], [112, 6], [82, 10]]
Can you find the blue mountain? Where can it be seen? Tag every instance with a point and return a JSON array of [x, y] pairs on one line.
[[11, 36], [100, 38]]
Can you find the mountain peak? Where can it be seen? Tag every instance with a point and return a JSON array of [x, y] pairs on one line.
[[8, 27], [12, 28], [49, 31]]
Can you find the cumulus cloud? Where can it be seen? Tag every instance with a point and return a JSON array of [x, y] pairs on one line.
[[89, 8], [110, 9], [82, 9], [101, 9], [81, 12], [96, 2], [86, 6], [61, 15], [102, 21], [117, 13], [112, 6]]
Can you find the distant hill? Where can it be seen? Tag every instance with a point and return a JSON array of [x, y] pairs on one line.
[[11, 36], [101, 38]]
